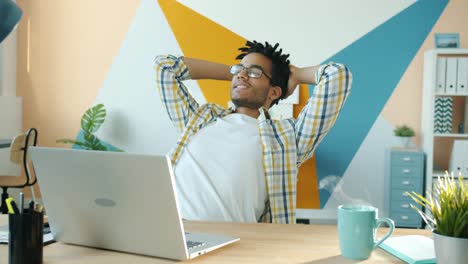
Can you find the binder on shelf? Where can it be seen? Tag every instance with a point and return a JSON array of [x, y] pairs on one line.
[[465, 122], [440, 82], [451, 76], [462, 76], [459, 157]]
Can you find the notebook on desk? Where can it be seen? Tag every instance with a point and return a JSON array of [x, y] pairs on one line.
[[412, 249], [118, 201]]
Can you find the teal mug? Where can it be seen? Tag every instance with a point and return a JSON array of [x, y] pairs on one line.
[[357, 225]]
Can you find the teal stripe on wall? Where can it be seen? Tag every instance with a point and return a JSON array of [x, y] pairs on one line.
[[377, 61]]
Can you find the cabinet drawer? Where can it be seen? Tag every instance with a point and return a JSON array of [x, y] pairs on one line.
[[406, 171], [403, 207], [406, 219], [406, 158], [400, 195], [407, 183]]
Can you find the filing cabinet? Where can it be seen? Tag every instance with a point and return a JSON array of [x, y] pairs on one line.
[[406, 175]]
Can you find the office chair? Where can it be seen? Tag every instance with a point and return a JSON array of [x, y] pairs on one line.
[[19, 155]]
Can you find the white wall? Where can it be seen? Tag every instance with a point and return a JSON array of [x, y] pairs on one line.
[[10, 105]]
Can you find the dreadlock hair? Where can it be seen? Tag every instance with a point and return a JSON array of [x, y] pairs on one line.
[[280, 63]]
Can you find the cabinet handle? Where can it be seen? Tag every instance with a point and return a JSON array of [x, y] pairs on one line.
[[407, 171], [404, 217], [405, 205], [405, 194], [405, 182], [407, 159]]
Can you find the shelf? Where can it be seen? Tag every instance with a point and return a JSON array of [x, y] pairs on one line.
[[449, 51], [437, 146], [440, 173], [452, 135], [446, 94]]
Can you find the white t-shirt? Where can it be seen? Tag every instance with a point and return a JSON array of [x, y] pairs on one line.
[[220, 176]]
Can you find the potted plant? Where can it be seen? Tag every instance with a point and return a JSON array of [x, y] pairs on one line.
[[91, 121], [447, 215], [404, 133]]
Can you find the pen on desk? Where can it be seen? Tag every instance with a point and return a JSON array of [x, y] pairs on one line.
[[21, 202], [8, 203], [38, 208], [31, 206], [12, 208]]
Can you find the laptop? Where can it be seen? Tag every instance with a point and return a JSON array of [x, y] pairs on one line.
[[118, 201]]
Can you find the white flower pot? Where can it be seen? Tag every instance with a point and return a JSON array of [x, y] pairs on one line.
[[450, 250], [404, 142]]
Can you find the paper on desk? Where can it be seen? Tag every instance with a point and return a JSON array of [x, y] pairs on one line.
[[3, 233], [48, 237], [412, 249]]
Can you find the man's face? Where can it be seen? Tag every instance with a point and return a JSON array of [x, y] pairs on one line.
[[251, 92]]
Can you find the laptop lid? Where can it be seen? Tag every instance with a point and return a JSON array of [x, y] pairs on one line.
[[112, 200]]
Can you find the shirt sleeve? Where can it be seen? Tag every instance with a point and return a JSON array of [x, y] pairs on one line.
[[322, 109], [179, 103]]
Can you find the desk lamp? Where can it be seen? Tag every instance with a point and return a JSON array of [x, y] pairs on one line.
[[10, 14]]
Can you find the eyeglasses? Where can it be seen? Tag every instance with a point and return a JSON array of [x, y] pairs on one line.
[[253, 71]]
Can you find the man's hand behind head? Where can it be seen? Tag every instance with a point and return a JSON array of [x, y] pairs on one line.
[[293, 81]]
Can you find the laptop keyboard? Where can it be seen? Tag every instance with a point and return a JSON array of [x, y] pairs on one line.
[[194, 244]]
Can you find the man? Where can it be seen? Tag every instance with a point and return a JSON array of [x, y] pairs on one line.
[[237, 164]]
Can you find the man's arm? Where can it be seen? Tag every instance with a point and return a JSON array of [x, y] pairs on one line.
[[333, 85], [180, 105], [171, 71], [202, 69], [301, 76]]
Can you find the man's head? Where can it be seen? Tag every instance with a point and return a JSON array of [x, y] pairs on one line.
[[261, 77]]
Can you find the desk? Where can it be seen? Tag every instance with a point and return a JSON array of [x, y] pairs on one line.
[[5, 143], [260, 243]]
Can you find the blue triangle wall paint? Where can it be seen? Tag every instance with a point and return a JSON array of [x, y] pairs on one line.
[[377, 60]]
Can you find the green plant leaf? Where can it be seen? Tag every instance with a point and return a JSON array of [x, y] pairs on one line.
[[460, 223], [403, 131], [65, 141], [93, 118], [71, 141], [91, 121], [429, 221], [447, 206], [93, 142]]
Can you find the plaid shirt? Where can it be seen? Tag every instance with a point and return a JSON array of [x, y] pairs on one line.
[[286, 143]]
